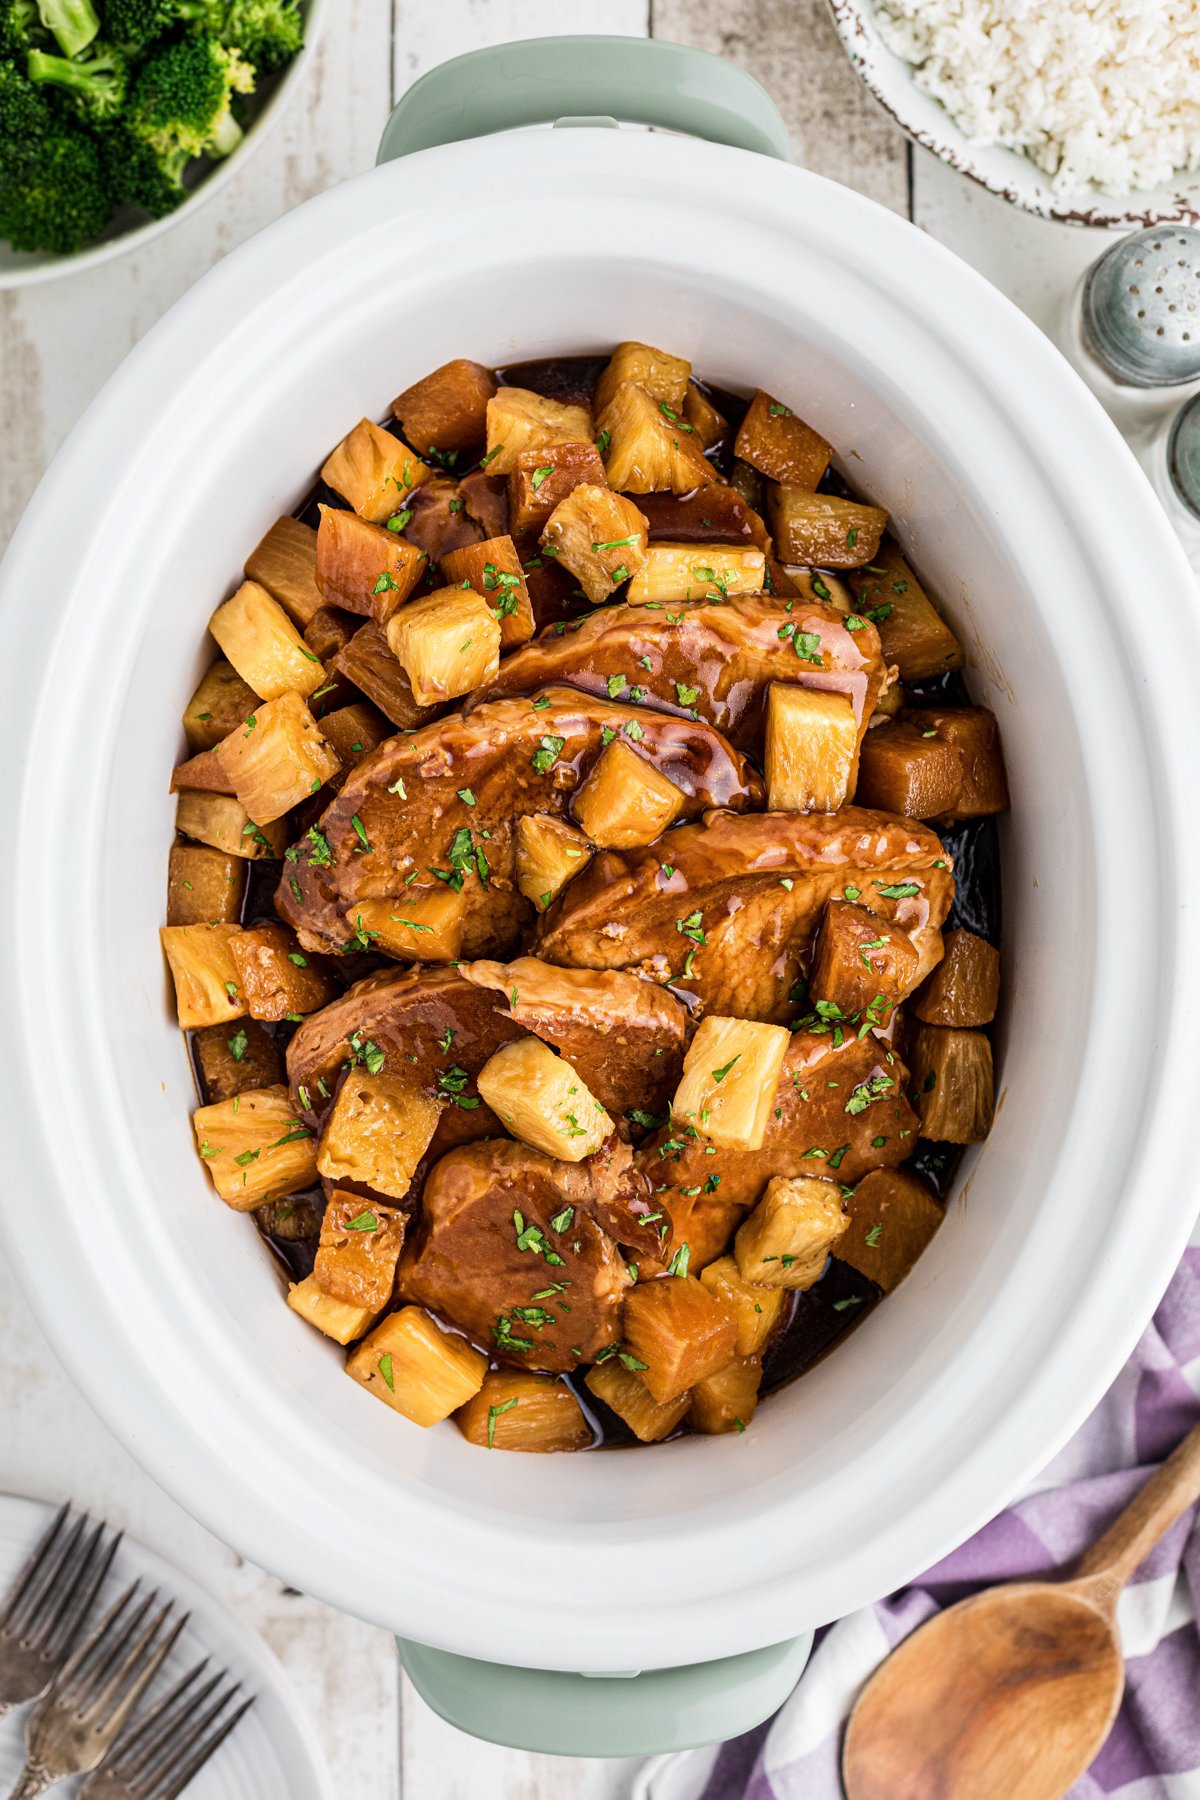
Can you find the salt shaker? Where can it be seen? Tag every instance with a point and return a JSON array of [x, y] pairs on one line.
[[1133, 327], [1173, 465]]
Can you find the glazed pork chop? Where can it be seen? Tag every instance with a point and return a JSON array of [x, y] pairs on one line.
[[726, 909], [508, 1249], [625, 1036], [440, 805], [710, 659]]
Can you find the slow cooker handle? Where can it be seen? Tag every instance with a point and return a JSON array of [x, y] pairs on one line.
[[586, 81], [607, 1715]]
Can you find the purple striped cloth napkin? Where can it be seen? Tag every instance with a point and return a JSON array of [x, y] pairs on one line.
[[1154, 1750]]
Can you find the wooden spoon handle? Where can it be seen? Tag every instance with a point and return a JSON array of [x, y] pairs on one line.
[[1107, 1566]]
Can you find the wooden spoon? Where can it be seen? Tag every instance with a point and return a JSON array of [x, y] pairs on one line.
[[1013, 1691]]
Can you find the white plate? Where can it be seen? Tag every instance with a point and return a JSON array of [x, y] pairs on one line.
[[271, 1756]]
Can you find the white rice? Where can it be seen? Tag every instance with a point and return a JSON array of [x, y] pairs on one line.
[[1096, 92]]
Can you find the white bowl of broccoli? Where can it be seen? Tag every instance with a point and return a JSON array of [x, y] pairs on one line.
[[118, 116]]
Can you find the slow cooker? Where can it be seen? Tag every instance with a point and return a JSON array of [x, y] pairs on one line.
[[702, 1564]]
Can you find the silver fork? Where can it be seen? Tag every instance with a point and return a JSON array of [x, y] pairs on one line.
[[94, 1693], [48, 1604], [158, 1758]]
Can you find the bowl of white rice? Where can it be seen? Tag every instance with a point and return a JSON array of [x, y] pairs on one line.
[[1086, 111]]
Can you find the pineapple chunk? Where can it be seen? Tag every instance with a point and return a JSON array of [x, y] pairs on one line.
[[363, 567], [254, 1147], [494, 570], [756, 1308], [680, 1331], [448, 409], [728, 1399], [708, 424], [378, 1131], [202, 967], [893, 1217], [626, 1394], [416, 1368], [447, 644], [374, 471], [370, 665], [861, 960], [903, 771], [730, 1077], [359, 1249], [221, 700], [812, 737], [952, 1084], [517, 1410], [625, 800], [518, 419], [697, 572], [223, 823], [599, 536], [647, 447], [276, 758], [285, 563], [787, 1238], [353, 732], [419, 924], [549, 854], [203, 885], [912, 633], [275, 978], [232, 1058], [202, 773], [328, 631], [340, 1320], [542, 1100], [964, 989], [541, 478], [774, 441], [664, 377], [820, 528], [263, 645]]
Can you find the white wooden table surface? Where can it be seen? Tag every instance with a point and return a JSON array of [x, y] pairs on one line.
[[58, 344]]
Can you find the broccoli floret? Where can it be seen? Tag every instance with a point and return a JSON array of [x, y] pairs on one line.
[[20, 28], [25, 120], [269, 33], [73, 22], [140, 176], [96, 81], [134, 24], [182, 98], [61, 201]]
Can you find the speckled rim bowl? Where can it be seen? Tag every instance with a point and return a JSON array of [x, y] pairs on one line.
[[1010, 174], [26, 268]]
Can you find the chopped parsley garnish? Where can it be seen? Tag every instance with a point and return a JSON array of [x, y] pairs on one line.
[[777, 410], [238, 1044], [366, 1051], [545, 758], [678, 1264], [453, 1085], [540, 475], [494, 1412], [686, 696], [873, 1236], [385, 1369], [386, 581], [720, 1074], [898, 890], [364, 1221]]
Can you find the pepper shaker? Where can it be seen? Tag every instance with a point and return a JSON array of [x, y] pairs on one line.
[[1133, 327]]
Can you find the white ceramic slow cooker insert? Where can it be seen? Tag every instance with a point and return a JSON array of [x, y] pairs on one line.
[[1029, 519]]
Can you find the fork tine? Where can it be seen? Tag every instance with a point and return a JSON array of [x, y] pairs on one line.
[[78, 1599], [136, 1671], [189, 1728], [44, 1549], [25, 1612], [97, 1647], [133, 1751], [199, 1756]]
